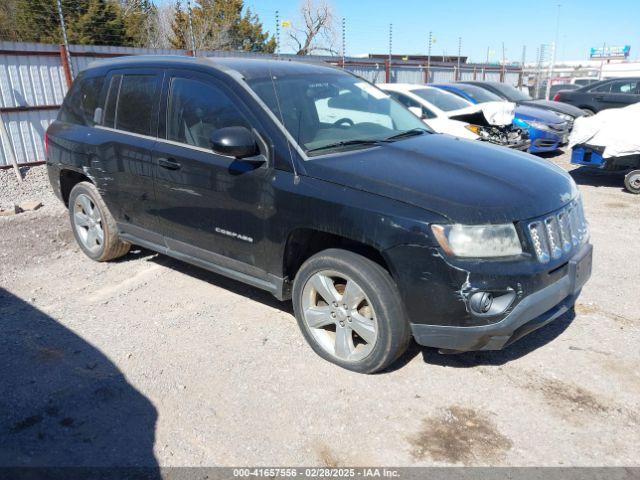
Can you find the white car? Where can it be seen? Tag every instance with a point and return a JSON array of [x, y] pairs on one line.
[[447, 113]]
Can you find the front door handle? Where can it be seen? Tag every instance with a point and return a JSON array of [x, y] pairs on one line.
[[169, 163]]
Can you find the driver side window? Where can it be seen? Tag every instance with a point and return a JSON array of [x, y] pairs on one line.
[[196, 109]]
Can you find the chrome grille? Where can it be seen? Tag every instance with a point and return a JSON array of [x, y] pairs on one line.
[[559, 233]]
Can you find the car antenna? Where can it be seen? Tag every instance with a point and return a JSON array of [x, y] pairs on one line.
[[296, 177]]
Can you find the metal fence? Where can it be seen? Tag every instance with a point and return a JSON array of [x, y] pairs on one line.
[[34, 79]]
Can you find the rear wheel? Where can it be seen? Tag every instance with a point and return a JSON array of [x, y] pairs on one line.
[[349, 310], [632, 181], [588, 112], [93, 225]]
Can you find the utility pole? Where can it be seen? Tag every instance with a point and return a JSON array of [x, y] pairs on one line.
[[523, 61], [65, 41], [429, 56], [553, 53], [390, 40], [459, 54], [277, 33], [504, 65], [193, 38], [344, 41]]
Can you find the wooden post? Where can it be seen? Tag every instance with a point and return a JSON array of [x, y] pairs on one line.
[[64, 59], [9, 151], [387, 71]]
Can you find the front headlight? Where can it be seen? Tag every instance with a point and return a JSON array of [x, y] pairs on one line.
[[474, 128], [565, 117], [538, 125], [478, 241]]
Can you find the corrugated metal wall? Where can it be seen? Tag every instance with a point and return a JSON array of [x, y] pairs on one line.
[[32, 76]]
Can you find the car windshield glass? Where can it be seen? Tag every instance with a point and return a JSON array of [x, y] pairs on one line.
[[480, 95], [445, 101], [512, 93], [334, 111]]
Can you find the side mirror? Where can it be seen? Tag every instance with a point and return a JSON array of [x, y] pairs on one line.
[[236, 142]]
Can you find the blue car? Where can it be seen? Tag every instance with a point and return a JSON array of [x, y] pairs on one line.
[[547, 130]]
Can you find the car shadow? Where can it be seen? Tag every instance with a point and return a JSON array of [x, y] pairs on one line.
[[598, 178], [248, 291], [65, 404], [548, 155], [518, 349]]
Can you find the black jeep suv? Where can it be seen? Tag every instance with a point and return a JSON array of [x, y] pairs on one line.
[[311, 183]]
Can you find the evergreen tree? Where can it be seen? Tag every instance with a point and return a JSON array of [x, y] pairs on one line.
[[100, 24], [221, 25]]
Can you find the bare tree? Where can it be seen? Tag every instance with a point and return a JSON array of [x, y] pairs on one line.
[[315, 32], [158, 31]]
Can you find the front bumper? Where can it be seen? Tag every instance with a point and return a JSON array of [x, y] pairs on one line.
[[544, 140], [532, 312]]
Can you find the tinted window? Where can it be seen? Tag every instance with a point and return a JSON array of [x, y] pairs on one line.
[[109, 114], [81, 102], [624, 86], [136, 100], [510, 93], [196, 109], [480, 95], [445, 101], [604, 88]]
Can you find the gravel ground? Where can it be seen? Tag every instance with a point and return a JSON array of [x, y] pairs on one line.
[[150, 361], [35, 186]]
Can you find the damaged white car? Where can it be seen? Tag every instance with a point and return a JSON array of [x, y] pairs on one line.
[[610, 140], [447, 113]]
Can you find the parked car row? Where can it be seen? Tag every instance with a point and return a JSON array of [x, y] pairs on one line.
[[536, 126], [598, 96]]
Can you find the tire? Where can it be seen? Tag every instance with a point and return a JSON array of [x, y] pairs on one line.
[[588, 112], [373, 322], [632, 181], [93, 225]]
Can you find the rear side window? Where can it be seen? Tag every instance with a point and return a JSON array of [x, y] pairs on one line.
[[130, 103], [80, 104], [604, 88], [196, 109], [136, 100], [624, 86]]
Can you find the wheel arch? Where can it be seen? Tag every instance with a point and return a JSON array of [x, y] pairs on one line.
[[303, 243], [68, 179]]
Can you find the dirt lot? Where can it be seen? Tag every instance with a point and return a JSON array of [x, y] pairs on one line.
[[147, 360]]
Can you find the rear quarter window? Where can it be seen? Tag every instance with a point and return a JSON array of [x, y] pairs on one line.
[[80, 104]]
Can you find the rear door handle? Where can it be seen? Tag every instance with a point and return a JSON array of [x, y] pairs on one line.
[[169, 163]]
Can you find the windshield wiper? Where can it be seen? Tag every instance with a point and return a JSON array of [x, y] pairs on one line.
[[345, 143], [407, 133]]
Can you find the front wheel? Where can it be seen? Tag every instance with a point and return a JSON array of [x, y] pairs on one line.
[[349, 310], [632, 181]]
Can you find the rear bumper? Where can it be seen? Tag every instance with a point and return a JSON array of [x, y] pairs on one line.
[[532, 312]]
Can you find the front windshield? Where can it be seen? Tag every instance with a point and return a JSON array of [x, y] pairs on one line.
[[334, 111], [512, 93], [445, 101], [480, 95]]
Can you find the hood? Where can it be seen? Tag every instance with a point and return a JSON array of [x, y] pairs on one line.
[[527, 112], [488, 113], [463, 180], [555, 106]]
